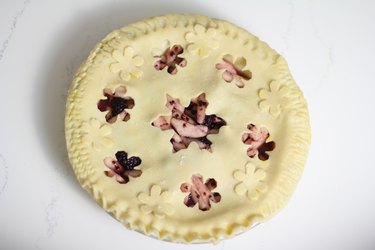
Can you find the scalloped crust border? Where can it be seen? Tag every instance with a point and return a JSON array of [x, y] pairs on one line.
[[287, 181]]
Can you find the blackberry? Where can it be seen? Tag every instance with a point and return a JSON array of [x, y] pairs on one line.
[[122, 158], [103, 105], [118, 105], [213, 122], [217, 197], [211, 183], [132, 162], [191, 109], [208, 121], [190, 201], [202, 104]]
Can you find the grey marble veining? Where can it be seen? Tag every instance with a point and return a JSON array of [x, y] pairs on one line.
[[4, 172], [17, 16]]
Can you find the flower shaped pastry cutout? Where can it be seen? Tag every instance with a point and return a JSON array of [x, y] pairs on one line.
[[170, 59], [233, 70], [127, 64], [250, 182], [201, 41], [122, 167], [156, 203], [191, 124], [274, 99], [256, 139], [116, 104], [159, 51], [200, 192], [98, 137]]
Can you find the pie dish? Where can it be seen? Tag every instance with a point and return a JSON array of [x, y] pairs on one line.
[[187, 128]]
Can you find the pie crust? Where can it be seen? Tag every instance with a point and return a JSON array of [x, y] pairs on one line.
[[156, 90]]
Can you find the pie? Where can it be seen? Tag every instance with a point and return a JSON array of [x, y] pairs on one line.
[[187, 128]]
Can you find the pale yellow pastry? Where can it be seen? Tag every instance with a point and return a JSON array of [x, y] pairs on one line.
[[187, 128]]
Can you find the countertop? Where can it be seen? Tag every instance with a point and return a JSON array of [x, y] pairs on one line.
[[329, 46]]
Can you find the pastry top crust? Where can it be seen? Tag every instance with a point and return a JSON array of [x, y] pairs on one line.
[[254, 157]]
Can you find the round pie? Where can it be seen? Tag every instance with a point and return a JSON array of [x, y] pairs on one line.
[[187, 128]]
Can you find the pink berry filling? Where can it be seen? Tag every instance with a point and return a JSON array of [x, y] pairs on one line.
[[232, 72], [256, 139], [170, 60], [200, 192]]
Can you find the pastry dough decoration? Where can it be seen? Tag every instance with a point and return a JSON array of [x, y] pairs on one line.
[[250, 181], [100, 136], [274, 99], [202, 41], [127, 64], [157, 202]]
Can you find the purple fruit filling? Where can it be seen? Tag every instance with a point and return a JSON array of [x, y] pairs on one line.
[[116, 104], [191, 124], [200, 192]]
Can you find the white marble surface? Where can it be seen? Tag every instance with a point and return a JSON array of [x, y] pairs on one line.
[[330, 49]]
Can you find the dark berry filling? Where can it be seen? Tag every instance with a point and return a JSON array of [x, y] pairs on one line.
[[133, 161], [122, 157], [116, 104], [128, 164]]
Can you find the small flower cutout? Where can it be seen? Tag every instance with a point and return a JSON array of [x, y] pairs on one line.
[[127, 64], [200, 192], [250, 182], [202, 41], [233, 71], [191, 124], [170, 58], [98, 135], [122, 167], [160, 50], [156, 203], [274, 99], [116, 104], [256, 139]]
